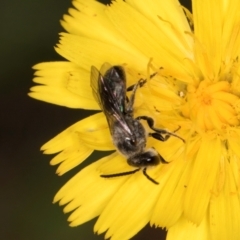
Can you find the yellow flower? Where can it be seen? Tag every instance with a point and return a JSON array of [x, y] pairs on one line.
[[197, 87]]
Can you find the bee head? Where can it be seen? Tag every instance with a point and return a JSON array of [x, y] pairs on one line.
[[146, 159]]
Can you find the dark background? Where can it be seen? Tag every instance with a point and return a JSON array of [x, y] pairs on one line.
[[28, 31]]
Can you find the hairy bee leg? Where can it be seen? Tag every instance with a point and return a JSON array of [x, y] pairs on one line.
[[148, 177], [158, 132], [119, 174]]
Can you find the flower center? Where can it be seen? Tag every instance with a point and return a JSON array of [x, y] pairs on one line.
[[211, 105]]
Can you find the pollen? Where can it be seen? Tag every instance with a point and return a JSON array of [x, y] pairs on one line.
[[211, 105]]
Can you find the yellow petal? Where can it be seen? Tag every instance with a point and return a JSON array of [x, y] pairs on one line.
[[201, 180], [94, 126], [145, 36], [117, 164], [233, 140], [78, 141], [70, 158], [230, 29], [64, 84], [125, 201], [87, 190], [224, 214], [168, 208], [184, 230], [88, 13], [208, 30], [164, 15], [89, 19], [86, 52]]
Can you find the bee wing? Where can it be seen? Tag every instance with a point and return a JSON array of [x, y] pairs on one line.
[[108, 102], [116, 81], [105, 67], [95, 78], [95, 75]]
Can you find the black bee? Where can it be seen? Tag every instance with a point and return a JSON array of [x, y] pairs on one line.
[[128, 134]]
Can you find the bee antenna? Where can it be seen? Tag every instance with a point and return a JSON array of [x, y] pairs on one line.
[[119, 174], [148, 177]]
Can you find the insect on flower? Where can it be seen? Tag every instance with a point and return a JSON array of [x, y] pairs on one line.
[[128, 134]]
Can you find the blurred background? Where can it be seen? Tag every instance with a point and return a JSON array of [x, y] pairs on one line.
[[29, 30]]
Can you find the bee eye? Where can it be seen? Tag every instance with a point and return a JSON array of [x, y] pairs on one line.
[[130, 141], [150, 158]]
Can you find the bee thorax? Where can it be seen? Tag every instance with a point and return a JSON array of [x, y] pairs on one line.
[[129, 144]]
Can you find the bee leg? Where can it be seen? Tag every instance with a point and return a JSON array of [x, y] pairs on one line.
[[133, 88], [148, 177], [129, 108], [119, 174], [141, 82], [158, 136], [158, 132]]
